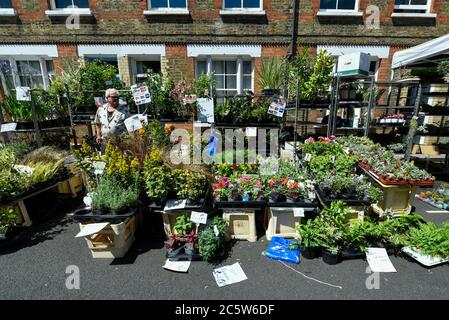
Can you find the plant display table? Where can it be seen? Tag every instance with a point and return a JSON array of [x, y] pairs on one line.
[[242, 223], [113, 241], [284, 220]]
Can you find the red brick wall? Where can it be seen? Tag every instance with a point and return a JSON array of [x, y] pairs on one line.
[[64, 51], [180, 66]]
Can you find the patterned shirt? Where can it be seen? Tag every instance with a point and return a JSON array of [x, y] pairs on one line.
[[112, 125]]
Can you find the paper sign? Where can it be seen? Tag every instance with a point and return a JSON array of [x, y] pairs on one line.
[[198, 217], [205, 110], [99, 167], [277, 107], [24, 169], [308, 157], [23, 94], [141, 95], [312, 195], [229, 275], [178, 266], [298, 212], [6, 127], [378, 260], [91, 229], [191, 98], [251, 132], [133, 123], [175, 205], [98, 101], [216, 231]]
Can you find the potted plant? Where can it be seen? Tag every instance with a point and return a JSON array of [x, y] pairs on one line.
[[212, 240], [158, 182], [189, 184], [309, 234]]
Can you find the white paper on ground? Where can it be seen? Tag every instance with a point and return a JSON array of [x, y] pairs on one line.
[[378, 260], [198, 217], [424, 259], [175, 205], [229, 275], [298, 212], [92, 228], [178, 266]]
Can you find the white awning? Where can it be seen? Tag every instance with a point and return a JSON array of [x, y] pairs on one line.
[[380, 52], [7, 50], [196, 50], [121, 49], [424, 51]]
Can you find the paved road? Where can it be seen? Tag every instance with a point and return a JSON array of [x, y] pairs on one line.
[[38, 271]]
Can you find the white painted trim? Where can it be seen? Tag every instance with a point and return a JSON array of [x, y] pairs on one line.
[[331, 13], [44, 73], [239, 75], [168, 8], [28, 50], [242, 12], [413, 15], [166, 12], [197, 50], [122, 50], [83, 12], [381, 52], [7, 12]]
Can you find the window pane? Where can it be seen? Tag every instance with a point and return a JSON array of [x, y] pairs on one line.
[[230, 93], [37, 81], [418, 2], [5, 4], [178, 4], [231, 82], [232, 4], [217, 67], [50, 67], [201, 68], [220, 82], [401, 2], [231, 67], [251, 3], [246, 83], [328, 4], [346, 4], [81, 3], [29, 67], [159, 3], [247, 67]]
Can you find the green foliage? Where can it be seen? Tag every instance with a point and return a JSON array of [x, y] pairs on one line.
[[165, 104], [20, 111], [19, 149], [46, 154], [8, 217], [112, 194], [443, 69], [156, 135], [320, 79], [189, 184], [321, 148], [209, 243], [300, 67], [203, 85], [430, 239], [158, 182], [325, 165], [183, 225], [271, 75], [310, 233], [12, 182]]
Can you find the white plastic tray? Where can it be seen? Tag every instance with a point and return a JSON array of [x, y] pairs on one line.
[[424, 259]]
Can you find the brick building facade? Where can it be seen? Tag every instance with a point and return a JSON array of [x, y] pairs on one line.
[[186, 38]]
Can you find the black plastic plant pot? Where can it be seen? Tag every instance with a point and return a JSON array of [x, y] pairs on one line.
[[330, 257], [310, 252], [117, 212]]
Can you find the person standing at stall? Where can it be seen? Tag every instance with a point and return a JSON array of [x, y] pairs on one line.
[[110, 118]]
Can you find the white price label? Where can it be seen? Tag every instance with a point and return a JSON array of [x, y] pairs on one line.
[[312, 195], [308, 157], [198, 217], [6, 127], [217, 233], [333, 159], [298, 212]]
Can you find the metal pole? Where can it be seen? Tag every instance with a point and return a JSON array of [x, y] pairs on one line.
[[35, 122], [296, 119], [413, 125], [332, 123], [370, 107]]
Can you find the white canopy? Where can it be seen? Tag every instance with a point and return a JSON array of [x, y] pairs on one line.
[[423, 52]]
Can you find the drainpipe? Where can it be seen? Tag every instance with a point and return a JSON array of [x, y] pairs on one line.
[[293, 42]]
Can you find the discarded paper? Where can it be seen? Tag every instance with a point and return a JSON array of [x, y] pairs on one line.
[[229, 275], [378, 260], [178, 266]]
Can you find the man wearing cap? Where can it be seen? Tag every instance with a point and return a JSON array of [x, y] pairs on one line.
[[110, 118]]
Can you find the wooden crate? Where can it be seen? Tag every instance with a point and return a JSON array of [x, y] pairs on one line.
[[71, 186]]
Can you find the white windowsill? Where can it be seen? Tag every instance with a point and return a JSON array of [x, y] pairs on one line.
[[166, 11], [7, 12], [413, 15], [242, 12], [68, 12], [333, 13]]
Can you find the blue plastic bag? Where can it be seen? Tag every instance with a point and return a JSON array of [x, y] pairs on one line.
[[278, 250]]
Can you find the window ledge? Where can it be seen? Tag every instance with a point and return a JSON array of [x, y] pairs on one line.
[[413, 15], [166, 12], [67, 12], [7, 12], [335, 13], [242, 12]]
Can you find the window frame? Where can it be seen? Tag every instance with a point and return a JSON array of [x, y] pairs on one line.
[[168, 8], [356, 8], [44, 74], [8, 12], [423, 7], [242, 8], [239, 72], [54, 11]]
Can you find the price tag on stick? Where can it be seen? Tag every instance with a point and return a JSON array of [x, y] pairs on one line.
[[198, 217], [308, 157]]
